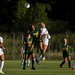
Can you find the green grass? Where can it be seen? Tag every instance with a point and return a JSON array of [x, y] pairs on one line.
[[45, 68]]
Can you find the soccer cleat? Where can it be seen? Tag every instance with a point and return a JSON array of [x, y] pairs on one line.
[[60, 66], [37, 62], [24, 69], [33, 68], [1, 72]]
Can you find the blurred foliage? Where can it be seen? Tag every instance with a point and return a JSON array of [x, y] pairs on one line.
[[58, 15]]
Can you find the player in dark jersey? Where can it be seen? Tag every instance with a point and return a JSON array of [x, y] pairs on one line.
[[29, 51], [66, 53], [35, 33]]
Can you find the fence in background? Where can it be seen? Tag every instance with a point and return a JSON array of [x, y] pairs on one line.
[[13, 43]]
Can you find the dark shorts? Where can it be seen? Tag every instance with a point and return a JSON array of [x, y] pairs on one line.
[[65, 54], [37, 42], [27, 50]]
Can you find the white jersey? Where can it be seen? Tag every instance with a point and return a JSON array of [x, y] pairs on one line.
[[1, 39], [44, 32], [1, 51], [45, 35]]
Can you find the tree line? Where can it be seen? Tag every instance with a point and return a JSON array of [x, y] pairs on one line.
[[58, 15]]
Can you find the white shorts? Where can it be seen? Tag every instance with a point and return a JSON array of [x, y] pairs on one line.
[[1, 51], [45, 41]]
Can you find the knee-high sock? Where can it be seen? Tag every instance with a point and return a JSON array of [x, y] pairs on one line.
[[22, 61], [28, 62], [62, 63], [69, 63], [40, 55], [2, 65], [24, 65], [32, 62]]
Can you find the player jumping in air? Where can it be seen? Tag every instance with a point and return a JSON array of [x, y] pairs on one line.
[[44, 35], [35, 33]]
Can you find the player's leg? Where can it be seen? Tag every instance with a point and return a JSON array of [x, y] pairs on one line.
[[28, 60], [44, 48], [22, 54], [45, 45], [33, 59], [69, 61], [2, 64], [41, 52], [64, 58], [22, 59], [25, 61], [63, 62]]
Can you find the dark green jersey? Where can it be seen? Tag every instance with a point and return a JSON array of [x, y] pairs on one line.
[[66, 50], [28, 44], [35, 34], [65, 47]]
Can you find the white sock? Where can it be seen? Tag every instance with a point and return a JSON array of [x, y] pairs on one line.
[[39, 56], [28, 62], [2, 65], [22, 61]]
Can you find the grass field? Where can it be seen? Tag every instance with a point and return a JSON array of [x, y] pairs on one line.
[[45, 68]]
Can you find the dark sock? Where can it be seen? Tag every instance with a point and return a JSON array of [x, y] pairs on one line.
[[24, 65], [62, 63], [42, 52], [32, 63], [69, 63]]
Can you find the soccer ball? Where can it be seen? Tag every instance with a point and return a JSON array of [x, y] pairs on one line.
[[27, 5]]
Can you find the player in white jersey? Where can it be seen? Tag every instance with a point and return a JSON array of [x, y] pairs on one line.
[[1, 39], [45, 39], [1, 55]]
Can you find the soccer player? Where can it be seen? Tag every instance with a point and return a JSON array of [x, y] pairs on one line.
[[35, 33], [45, 39], [1, 54], [23, 54], [29, 51], [66, 53]]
